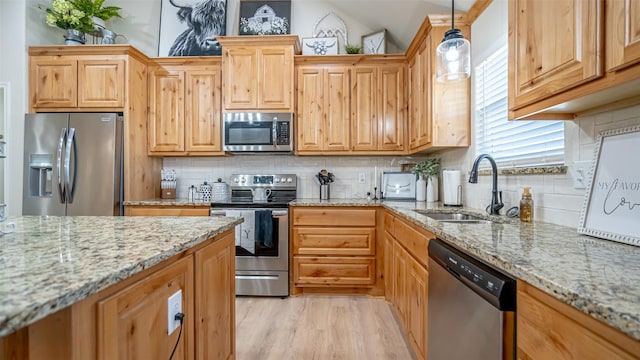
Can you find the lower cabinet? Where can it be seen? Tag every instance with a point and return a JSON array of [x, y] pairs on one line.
[[406, 278], [334, 251], [551, 329], [160, 210]]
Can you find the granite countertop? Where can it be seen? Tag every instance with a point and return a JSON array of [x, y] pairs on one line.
[[166, 202], [52, 262], [598, 277]]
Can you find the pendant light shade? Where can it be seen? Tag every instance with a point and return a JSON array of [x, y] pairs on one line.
[[453, 55]]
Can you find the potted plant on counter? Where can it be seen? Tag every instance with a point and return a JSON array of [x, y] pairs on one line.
[[427, 169]]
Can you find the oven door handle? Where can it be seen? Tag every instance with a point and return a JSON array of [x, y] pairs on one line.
[[218, 213], [275, 213]]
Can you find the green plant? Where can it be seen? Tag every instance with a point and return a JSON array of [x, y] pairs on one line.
[[78, 14], [427, 168], [352, 49]]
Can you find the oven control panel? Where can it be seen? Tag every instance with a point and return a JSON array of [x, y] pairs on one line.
[[271, 181]]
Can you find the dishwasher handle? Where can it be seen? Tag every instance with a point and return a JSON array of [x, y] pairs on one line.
[[496, 287]]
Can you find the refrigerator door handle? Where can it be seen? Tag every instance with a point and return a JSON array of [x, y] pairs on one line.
[[63, 134], [71, 142]]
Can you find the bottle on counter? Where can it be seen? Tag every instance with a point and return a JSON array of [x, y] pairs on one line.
[[526, 206]]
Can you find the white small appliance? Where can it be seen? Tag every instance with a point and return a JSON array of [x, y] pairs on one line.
[[452, 188]]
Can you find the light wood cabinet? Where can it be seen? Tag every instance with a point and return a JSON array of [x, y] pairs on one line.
[[322, 114], [72, 81], [572, 57], [551, 329], [215, 300], [258, 72], [132, 324], [334, 251], [554, 46], [622, 34], [185, 116], [97, 78], [439, 113], [392, 107], [407, 278], [162, 210], [364, 112]]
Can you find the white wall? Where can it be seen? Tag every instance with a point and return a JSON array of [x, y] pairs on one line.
[[555, 199], [13, 69]]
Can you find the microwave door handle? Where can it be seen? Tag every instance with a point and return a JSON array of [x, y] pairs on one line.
[[63, 134], [274, 132]]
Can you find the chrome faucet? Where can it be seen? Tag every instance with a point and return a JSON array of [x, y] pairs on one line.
[[496, 205]]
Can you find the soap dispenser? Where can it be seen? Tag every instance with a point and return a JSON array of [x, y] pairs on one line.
[[526, 206]]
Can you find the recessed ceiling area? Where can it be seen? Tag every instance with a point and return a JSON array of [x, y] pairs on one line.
[[401, 18]]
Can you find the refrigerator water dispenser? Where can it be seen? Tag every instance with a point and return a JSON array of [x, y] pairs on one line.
[[40, 175]]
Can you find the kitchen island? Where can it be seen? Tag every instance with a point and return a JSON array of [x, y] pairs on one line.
[[87, 281]]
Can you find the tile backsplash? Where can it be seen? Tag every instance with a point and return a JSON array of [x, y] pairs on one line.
[[194, 171]]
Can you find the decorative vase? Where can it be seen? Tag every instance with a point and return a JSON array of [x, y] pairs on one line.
[[421, 189], [74, 37], [432, 189]]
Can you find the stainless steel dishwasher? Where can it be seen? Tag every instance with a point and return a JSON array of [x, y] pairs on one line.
[[471, 307]]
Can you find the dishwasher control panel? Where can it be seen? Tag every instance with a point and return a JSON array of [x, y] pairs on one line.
[[488, 282]]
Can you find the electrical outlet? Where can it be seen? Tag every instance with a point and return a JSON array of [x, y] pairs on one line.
[[362, 179], [581, 174], [174, 306]]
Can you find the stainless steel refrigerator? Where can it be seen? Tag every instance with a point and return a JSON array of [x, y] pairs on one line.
[[73, 164]]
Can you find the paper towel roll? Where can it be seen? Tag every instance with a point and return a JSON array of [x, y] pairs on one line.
[[452, 188]]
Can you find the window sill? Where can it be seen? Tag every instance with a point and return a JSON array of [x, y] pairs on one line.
[[557, 169]]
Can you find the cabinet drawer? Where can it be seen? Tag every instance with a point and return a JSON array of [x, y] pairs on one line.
[[389, 224], [167, 210], [334, 241], [334, 217], [414, 241], [334, 271]]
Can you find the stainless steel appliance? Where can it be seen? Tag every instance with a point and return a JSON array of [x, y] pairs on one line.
[[257, 132], [471, 307], [262, 241], [73, 164]]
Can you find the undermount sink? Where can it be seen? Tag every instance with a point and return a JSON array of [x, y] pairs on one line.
[[455, 217]]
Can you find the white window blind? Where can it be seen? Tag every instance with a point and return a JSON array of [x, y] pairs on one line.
[[510, 143]]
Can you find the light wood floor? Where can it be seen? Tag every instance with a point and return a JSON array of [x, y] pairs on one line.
[[317, 327]]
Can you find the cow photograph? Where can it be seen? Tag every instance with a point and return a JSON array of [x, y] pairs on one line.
[[190, 27]]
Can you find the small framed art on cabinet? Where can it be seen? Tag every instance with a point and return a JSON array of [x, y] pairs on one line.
[[375, 43]]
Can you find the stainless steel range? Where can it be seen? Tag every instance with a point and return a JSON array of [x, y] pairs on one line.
[[262, 241]]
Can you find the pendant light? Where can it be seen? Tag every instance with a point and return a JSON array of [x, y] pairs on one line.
[[453, 55]]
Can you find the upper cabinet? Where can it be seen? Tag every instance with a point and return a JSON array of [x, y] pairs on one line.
[[258, 72], [350, 104], [185, 107], [567, 57], [439, 113], [75, 82]]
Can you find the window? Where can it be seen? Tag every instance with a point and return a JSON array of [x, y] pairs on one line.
[[511, 143]]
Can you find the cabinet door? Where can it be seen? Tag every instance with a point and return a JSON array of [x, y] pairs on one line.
[[275, 78], [389, 274], [417, 291], [310, 109], [240, 78], [53, 81], [400, 280], [391, 108], [554, 46], [336, 105], [101, 83], [420, 110], [364, 116], [132, 324], [203, 111], [622, 34], [215, 300], [166, 110]]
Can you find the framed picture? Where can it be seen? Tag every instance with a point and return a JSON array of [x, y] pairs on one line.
[[265, 17], [612, 202], [320, 46], [189, 28], [375, 43]]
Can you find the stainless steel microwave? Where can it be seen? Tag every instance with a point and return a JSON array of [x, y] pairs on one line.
[[257, 132]]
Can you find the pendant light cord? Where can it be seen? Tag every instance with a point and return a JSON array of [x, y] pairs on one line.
[[452, 5]]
